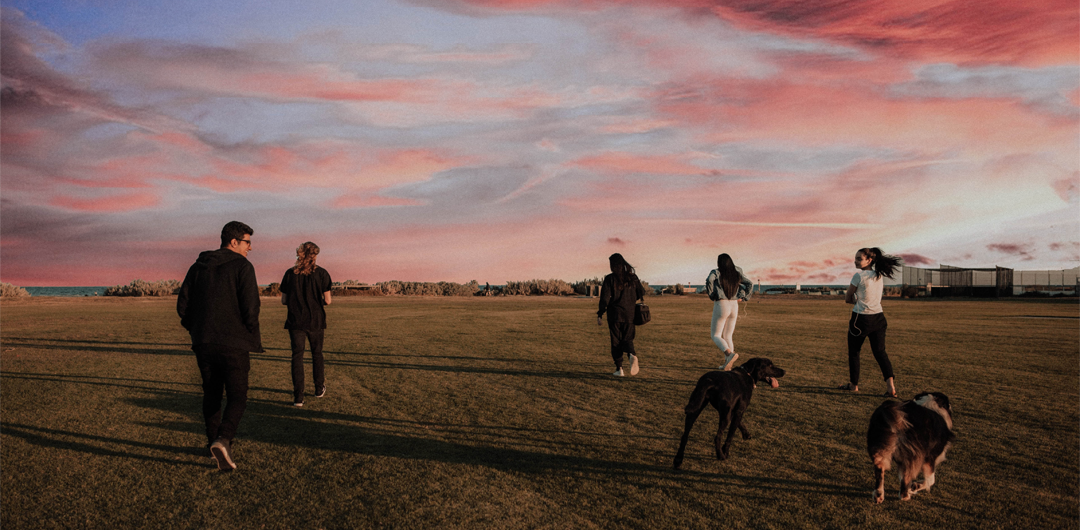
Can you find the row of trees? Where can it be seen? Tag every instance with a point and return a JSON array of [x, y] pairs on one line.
[[393, 287], [144, 288]]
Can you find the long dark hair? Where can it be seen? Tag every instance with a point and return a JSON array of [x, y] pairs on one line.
[[729, 277], [305, 258], [624, 273], [882, 263]]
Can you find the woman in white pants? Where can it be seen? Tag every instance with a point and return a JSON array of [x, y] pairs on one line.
[[726, 285]]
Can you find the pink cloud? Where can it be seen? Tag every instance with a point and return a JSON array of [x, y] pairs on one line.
[[337, 165], [727, 110], [221, 185], [957, 31], [621, 162], [1007, 248], [916, 259], [995, 31], [247, 73], [1068, 189], [368, 200], [114, 203], [635, 126]]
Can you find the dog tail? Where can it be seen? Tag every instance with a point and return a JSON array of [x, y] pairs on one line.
[[887, 427], [698, 397]]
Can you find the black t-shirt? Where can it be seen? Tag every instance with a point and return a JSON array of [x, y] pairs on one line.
[[304, 298]]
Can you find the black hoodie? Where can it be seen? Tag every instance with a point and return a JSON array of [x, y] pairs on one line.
[[219, 301]]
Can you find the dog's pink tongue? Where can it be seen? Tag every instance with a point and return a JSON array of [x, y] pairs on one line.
[[774, 382]]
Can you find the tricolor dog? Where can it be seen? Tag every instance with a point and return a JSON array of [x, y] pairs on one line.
[[915, 435]]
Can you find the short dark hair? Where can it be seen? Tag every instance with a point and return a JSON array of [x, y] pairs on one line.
[[234, 230]]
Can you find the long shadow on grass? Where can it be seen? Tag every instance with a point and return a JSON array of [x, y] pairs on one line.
[[519, 450], [118, 382], [591, 374], [90, 346], [123, 382], [55, 439], [92, 341]]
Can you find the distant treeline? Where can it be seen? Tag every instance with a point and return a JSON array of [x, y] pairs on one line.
[[144, 288], [473, 288], [389, 288]]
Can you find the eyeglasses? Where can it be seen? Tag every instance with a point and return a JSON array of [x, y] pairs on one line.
[[248, 241]]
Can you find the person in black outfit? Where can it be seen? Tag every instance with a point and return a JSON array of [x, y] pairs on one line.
[[219, 306], [618, 296], [305, 289]]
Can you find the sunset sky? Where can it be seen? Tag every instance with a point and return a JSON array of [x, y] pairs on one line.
[[505, 140]]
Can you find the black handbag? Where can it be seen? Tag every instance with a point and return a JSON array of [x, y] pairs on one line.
[[641, 314]]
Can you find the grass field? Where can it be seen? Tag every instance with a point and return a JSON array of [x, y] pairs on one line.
[[500, 413]]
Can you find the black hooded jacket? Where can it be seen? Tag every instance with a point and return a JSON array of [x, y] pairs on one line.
[[219, 301], [619, 302]]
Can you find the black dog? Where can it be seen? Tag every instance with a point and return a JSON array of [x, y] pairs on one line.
[[729, 393], [915, 434]]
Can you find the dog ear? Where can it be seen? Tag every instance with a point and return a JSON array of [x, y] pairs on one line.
[[755, 368]]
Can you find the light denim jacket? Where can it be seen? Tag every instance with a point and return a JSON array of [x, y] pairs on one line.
[[716, 292]]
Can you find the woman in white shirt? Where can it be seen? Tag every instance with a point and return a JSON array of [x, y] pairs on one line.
[[867, 318]]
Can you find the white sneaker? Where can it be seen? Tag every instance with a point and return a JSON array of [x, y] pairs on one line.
[[617, 372], [633, 364], [729, 361], [220, 450]]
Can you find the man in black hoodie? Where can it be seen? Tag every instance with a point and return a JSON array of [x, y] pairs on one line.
[[219, 306]]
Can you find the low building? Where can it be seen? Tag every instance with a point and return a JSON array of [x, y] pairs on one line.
[[993, 282]]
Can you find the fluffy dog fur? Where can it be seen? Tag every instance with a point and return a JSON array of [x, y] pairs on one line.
[[729, 393], [915, 435]]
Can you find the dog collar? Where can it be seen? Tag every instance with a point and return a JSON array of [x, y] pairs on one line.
[[743, 370]]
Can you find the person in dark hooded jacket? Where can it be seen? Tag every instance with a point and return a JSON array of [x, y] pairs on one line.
[[618, 295], [219, 306]]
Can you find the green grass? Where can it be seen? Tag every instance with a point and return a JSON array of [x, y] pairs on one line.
[[499, 413]]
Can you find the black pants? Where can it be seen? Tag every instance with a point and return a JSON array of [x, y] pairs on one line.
[[622, 340], [315, 339], [223, 369], [860, 328]]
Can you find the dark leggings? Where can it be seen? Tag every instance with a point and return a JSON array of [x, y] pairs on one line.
[[223, 369], [622, 340], [860, 328], [315, 338]]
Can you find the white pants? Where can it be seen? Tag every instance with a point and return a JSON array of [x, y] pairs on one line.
[[724, 315]]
